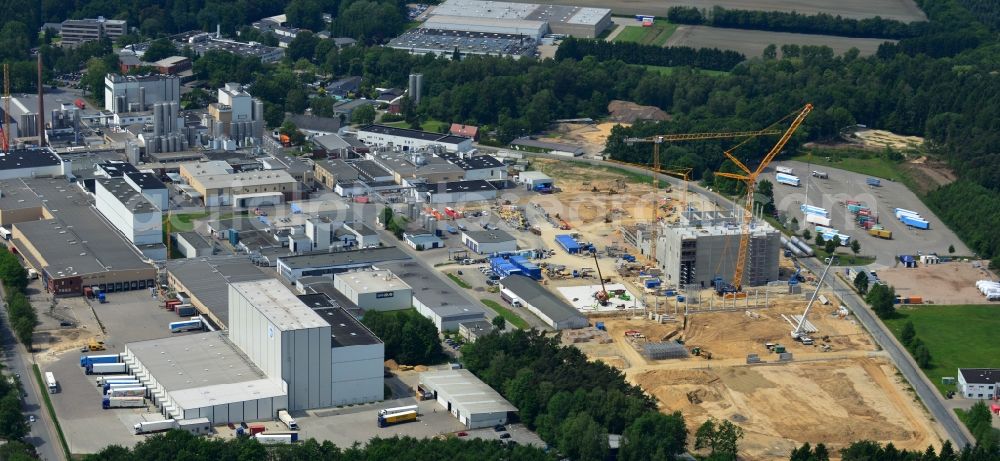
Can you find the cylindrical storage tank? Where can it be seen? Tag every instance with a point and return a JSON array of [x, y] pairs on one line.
[[142, 98], [172, 123], [157, 119]]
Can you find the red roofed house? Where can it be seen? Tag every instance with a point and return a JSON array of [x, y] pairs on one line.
[[468, 131]]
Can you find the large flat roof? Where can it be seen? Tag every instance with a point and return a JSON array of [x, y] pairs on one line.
[[371, 281], [279, 305], [544, 300], [15, 195], [79, 240], [413, 134], [429, 289], [130, 198], [203, 369], [345, 330], [465, 391], [30, 157], [208, 279], [491, 236], [252, 178], [344, 258]]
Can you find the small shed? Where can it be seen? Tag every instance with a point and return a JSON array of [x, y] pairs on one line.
[[568, 243]]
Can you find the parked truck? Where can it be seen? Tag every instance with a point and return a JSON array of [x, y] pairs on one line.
[[132, 391], [276, 439], [820, 174], [105, 368], [288, 420], [186, 325], [881, 233], [186, 310], [817, 219], [397, 418], [784, 169], [149, 427], [195, 426], [100, 380], [123, 402], [874, 182], [89, 359], [120, 383], [788, 179]]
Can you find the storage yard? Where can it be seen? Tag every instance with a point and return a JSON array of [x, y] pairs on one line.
[[752, 42], [901, 10], [833, 193], [947, 283]]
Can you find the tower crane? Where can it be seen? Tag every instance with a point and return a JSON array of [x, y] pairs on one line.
[[5, 133], [683, 173], [750, 179]]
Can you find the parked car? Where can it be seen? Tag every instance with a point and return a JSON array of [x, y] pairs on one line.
[[31, 418], [505, 435], [462, 434], [499, 428]]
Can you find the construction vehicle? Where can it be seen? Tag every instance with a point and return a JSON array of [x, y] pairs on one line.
[[799, 333], [602, 296], [749, 178], [94, 345]]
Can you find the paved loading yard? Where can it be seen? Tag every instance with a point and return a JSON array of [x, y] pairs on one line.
[[844, 185], [128, 316]]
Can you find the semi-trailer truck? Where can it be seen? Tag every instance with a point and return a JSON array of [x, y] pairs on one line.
[[123, 402], [120, 383], [784, 169], [817, 219], [788, 179], [288, 420], [105, 368], [90, 359], [149, 427], [186, 325], [134, 391], [397, 418], [881, 233], [100, 380], [276, 439]]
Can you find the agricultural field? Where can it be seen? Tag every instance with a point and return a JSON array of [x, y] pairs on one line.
[[656, 35], [752, 42], [901, 10], [957, 336]]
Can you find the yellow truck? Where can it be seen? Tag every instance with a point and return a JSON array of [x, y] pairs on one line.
[[881, 233]]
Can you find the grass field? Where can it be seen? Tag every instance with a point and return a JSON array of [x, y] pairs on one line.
[[670, 70], [507, 314], [875, 166], [458, 281], [957, 336], [656, 35], [434, 126]]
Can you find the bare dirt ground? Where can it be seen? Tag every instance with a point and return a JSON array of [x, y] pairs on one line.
[[948, 283], [928, 174], [592, 137], [630, 112], [781, 407], [902, 10], [881, 139], [752, 42]]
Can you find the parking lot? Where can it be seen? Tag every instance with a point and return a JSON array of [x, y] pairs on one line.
[[843, 185], [127, 316]]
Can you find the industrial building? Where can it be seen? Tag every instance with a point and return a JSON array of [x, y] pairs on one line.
[[205, 376], [378, 290], [358, 355], [484, 167], [442, 42], [203, 42], [56, 238], [457, 192], [534, 180], [32, 162], [979, 383], [475, 329], [472, 401], [529, 294], [703, 245], [150, 187], [192, 245], [206, 282], [76, 31], [236, 116], [513, 18], [434, 299], [132, 214], [217, 184], [406, 139], [489, 241], [323, 263], [130, 93], [288, 339], [424, 241]]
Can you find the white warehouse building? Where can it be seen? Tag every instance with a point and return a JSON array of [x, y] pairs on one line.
[[319, 359], [407, 139], [489, 241], [204, 376], [132, 214], [378, 290], [472, 401]]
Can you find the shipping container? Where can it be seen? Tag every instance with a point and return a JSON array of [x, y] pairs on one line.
[[817, 219], [137, 391], [783, 169], [915, 222], [809, 209], [881, 233], [255, 429], [106, 368], [787, 179], [89, 359], [122, 402]]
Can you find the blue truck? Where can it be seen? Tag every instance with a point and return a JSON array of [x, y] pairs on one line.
[[89, 360]]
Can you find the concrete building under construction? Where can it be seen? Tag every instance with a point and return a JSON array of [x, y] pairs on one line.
[[704, 245]]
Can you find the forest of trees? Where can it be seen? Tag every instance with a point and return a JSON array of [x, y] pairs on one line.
[[637, 53], [782, 21], [571, 402], [409, 338]]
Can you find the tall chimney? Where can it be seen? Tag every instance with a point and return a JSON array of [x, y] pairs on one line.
[[41, 103]]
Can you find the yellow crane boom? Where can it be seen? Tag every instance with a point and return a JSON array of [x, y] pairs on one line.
[[684, 173], [750, 179]]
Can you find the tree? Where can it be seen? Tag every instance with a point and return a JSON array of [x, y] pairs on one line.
[[295, 137], [819, 240], [830, 246], [581, 438], [881, 299], [305, 14], [159, 49], [296, 101], [12, 274], [922, 356], [654, 436], [861, 282], [806, 234], [499, 323], [794, 225], [907, 334], [770, 52], [765, 196], [386, 216], [951, 249], [303, 46], [855, 247], [722, 439], [363, 115]]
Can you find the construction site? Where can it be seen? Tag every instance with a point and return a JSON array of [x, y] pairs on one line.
[[784, 359]]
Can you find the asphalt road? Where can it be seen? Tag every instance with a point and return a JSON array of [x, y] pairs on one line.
[[934, 403], [17, 359]]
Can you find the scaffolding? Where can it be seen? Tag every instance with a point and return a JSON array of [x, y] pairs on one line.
[[663, 351]]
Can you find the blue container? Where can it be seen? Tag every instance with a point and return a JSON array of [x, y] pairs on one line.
[[600, 326], [670, 292], [680, 298], [652, 283]]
